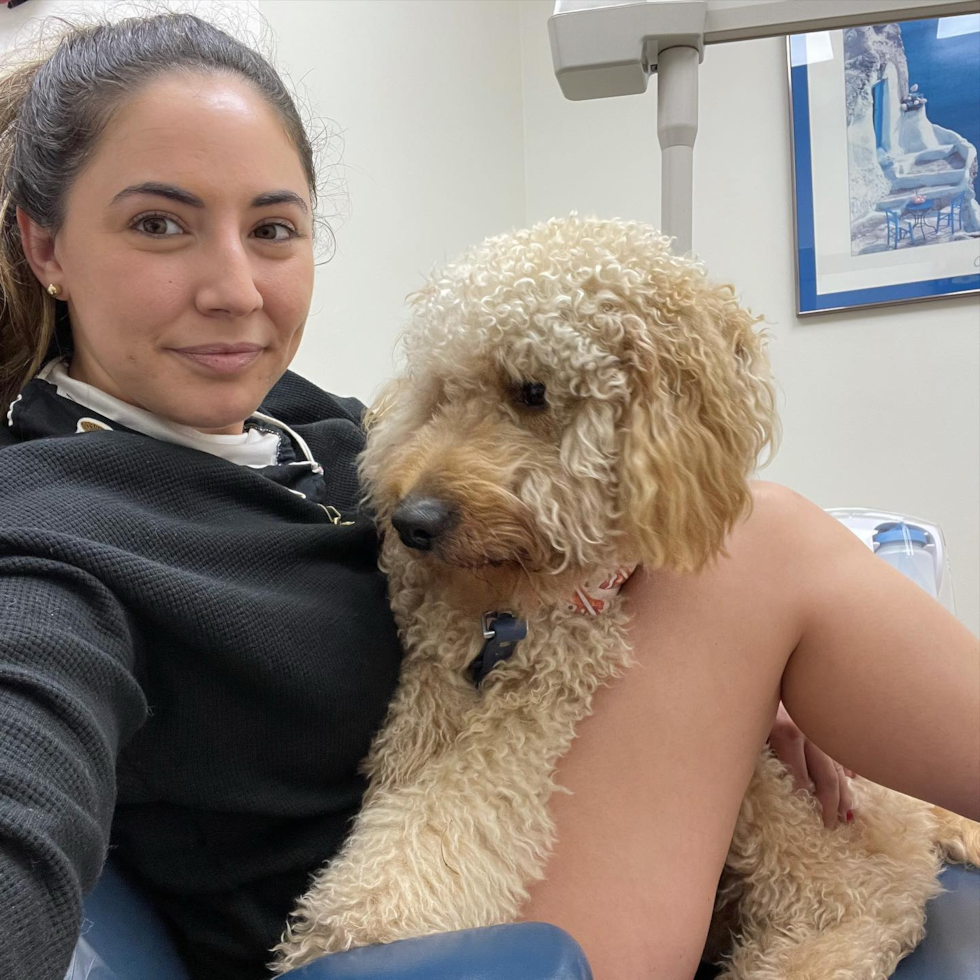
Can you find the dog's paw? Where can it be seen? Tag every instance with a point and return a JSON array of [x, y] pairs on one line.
[[957, 837], [306, 940], [342, 911]]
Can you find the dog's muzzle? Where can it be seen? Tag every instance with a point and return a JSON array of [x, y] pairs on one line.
[[421, 521]]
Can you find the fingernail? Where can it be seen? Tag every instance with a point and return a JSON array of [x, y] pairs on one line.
[[850, 816]]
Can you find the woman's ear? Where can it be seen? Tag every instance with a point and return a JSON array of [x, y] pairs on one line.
[[38, 245], [701, 412]]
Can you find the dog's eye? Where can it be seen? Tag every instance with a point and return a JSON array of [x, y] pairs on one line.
[[533, 394]]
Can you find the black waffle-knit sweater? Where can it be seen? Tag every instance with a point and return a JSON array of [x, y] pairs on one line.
[[193, 660]]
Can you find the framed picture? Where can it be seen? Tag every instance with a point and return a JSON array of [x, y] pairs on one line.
[[886, 126]]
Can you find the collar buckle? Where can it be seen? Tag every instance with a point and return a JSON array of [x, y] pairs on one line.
[[501, 632]]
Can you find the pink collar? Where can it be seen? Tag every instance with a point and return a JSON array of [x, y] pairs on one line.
[[592, 597], [502, 631]]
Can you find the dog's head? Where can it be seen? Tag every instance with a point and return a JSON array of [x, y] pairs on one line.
[[573, 394]]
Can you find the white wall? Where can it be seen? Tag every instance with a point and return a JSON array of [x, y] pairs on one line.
[[880, 408]]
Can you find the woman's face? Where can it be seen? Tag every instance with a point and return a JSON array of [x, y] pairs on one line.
[[186, 253]]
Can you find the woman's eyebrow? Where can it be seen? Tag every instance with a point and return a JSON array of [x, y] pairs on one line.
[[178, 194], [280, 197], [161, 190]]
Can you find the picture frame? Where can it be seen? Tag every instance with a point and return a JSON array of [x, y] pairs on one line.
[[885, 124]]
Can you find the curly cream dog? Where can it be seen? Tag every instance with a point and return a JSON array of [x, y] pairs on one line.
[[577, 399]]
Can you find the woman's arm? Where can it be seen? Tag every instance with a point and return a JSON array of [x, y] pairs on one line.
[[659, 770], [67, 701]]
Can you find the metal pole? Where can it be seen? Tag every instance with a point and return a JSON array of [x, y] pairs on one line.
[[677, 127]]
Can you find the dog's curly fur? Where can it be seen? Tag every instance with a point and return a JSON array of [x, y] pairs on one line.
[[658, 404]]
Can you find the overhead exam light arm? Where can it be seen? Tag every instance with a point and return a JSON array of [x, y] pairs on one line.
[[603, 48]]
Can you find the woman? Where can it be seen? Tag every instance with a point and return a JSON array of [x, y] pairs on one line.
[[195, 643]]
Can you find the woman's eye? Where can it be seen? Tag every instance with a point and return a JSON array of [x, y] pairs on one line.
[[533, 394], [270, 232], [157, 226]]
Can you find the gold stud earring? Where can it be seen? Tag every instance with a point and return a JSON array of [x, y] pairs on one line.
[[54, 289]]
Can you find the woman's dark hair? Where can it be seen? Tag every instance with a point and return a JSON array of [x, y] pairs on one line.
[[52, 112]]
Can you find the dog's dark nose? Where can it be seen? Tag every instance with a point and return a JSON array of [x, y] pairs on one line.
[[420, 520]]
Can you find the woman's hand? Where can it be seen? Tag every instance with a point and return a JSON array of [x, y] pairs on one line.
[[812, 770]]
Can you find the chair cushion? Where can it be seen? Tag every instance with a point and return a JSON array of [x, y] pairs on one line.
[[525, 951], [951, 949], [123, 937]]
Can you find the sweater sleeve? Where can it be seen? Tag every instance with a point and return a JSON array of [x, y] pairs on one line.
[[68, 701]]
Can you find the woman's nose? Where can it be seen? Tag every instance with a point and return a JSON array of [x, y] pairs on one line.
[[227, 281]]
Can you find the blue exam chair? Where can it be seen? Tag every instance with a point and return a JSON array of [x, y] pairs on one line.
[[123, 939]]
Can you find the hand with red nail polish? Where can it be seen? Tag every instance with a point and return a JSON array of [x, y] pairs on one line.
[[813, 771]]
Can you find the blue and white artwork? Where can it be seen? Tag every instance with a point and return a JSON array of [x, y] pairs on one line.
[[886, 127], [913, 126]]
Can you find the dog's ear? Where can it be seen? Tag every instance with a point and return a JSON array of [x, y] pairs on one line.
[[382, 404], [384, 427], [701, 411]]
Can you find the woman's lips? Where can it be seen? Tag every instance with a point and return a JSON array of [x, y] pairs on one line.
[[221, 361]]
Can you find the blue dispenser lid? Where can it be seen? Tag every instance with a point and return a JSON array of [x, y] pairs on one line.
[[899, 531]]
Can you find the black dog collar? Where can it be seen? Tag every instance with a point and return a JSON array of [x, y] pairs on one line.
[[501, 631]]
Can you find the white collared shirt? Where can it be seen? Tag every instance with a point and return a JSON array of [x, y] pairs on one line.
[[254, 447]]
